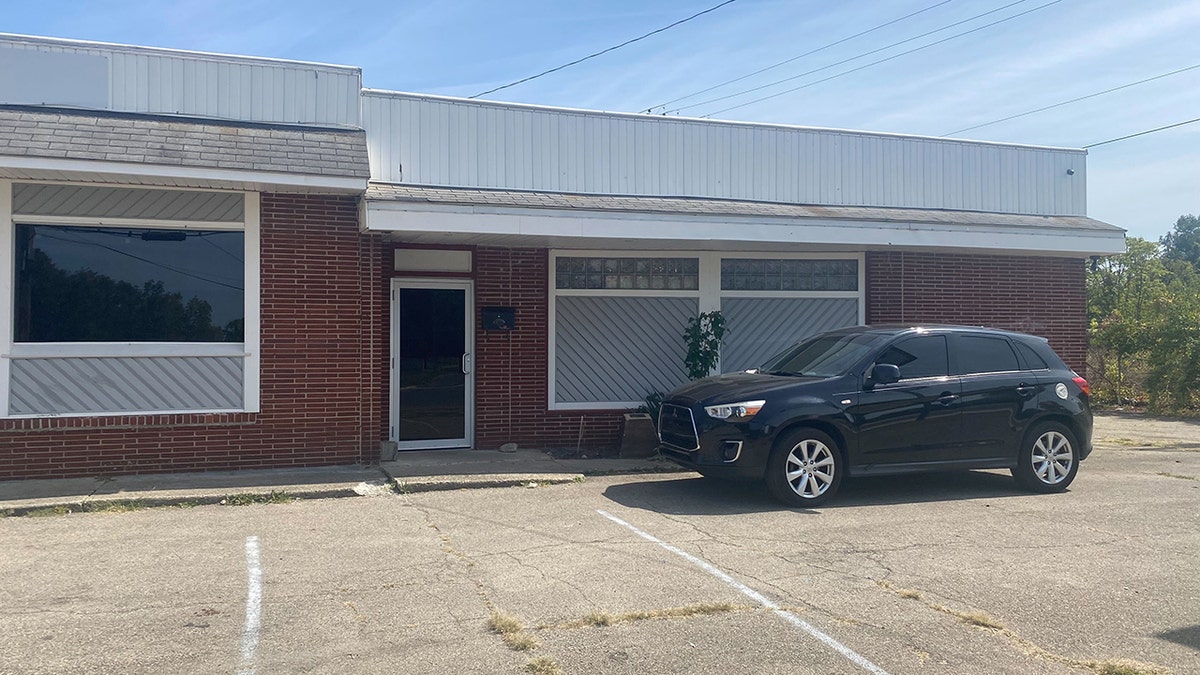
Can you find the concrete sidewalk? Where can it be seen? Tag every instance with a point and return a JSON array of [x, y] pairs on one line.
[[411, 472]]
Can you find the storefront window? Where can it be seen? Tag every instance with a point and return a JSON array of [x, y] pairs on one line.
[[101, 284]]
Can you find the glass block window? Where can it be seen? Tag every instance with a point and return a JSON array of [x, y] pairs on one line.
[[758, 274], [660, 274]]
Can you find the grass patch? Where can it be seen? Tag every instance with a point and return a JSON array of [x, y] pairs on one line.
[[1124, 667], [119, 506], [512, 631], [48, 511], [274, 497], [543, 666], [1174, 475]]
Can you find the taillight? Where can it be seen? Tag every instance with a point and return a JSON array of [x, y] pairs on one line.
[[1083, 384]]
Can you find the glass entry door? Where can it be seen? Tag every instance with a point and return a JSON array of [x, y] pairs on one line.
[[432, 344]]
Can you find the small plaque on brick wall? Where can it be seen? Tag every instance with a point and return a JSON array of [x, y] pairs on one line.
[[499, 318]]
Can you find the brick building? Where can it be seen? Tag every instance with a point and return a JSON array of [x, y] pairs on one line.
[[220, 262]]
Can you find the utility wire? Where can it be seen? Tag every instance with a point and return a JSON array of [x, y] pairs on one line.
[[1074, 100], [852, 58], [603, 51], [796, 58], [875, 63], [1142, 133]]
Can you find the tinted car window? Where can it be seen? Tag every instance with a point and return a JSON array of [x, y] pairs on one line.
[[1032, 358], [979, 354], [918, 357], [824, 356]]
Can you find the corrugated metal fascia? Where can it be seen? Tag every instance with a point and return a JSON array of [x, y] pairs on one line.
[[175, 53], [386, 94]]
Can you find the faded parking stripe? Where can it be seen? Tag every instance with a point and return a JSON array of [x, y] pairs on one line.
[[253, 607], [754, 595]]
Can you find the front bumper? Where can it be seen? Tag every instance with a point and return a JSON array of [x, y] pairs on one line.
[[712, 447]]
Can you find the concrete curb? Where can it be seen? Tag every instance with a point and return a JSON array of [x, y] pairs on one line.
[[414, 484], [198, 497]]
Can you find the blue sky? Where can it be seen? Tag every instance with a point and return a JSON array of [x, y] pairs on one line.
[[1065, 50]]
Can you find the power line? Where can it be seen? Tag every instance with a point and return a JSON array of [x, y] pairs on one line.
[[852, 58], [1142, 133], [145, 260], [603, 51], [1074, 100], [875, 63], [796, 58]]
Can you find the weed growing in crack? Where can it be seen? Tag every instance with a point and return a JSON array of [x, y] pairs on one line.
[[982, 620], [599, 619], [274, 497], [543, 666], [512, 631]]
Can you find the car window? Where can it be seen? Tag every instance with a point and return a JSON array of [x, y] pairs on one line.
[[824, 356], [983, 354], [923, 356], [1032, 358]]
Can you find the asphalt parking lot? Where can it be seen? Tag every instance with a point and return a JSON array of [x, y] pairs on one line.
[[948, 573]]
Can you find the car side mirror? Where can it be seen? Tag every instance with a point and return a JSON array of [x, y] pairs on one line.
[[883, 373]]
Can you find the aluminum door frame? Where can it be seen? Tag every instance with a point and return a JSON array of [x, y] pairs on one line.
[[468, 287]]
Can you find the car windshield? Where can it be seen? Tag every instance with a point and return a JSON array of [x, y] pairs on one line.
[[823, 356]]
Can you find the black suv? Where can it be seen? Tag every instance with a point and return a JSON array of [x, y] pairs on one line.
[[876, 400]]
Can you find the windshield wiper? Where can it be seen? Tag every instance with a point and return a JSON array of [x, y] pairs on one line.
[[784, 373]]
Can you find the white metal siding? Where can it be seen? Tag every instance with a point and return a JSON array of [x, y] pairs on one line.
[[128, 384], [202, 85], [34, 199], [453, 142]]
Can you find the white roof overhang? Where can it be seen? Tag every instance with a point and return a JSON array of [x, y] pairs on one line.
[[124, 173], [771, 227]]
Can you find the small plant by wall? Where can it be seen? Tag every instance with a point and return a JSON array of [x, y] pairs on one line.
[[704, 336]]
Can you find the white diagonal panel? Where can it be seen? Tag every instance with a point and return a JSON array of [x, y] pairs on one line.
[[619, 348], [759, 328], [125, 384]]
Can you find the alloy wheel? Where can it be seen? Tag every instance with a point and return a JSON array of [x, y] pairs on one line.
[[1052, 458], [810, 468]]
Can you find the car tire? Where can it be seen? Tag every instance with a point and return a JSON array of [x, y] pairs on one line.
[[1048, 460], [805, 468]]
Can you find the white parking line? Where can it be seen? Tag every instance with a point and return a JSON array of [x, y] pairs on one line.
[[754, 595], [253, 607]]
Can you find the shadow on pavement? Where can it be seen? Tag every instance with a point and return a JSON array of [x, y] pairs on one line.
[[695, 495], [1188, 636]]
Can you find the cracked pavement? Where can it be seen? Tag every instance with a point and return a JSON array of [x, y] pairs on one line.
[[405, 583]]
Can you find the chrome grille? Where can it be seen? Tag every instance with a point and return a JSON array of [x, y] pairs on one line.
[[677, 427]]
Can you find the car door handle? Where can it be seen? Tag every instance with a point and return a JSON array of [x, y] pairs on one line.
[[1026, 390], [946, 399]]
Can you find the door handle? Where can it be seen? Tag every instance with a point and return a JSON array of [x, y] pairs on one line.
[[1026, 390], [946, 399], [466, 364]]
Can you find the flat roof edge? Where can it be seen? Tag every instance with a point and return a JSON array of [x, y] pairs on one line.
[[674, 119], [178, 53]]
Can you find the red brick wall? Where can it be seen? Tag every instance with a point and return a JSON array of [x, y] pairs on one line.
[[1037, 295], [511, 377], [321, 355]]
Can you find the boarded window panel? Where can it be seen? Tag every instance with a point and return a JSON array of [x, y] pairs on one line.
[[125, 384], [33, 199], [759, 328], [618, 349]]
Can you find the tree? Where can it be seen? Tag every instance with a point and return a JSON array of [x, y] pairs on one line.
[[1182, 243], [1124, 294]]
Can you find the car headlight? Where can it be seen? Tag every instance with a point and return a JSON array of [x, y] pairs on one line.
[[738, 411]]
